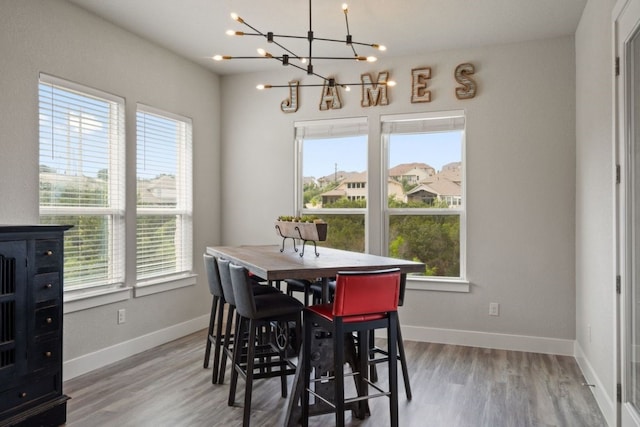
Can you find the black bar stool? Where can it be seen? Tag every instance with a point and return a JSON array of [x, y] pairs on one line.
[[228, 296], [254, 358], [216, 318], [310, 290]]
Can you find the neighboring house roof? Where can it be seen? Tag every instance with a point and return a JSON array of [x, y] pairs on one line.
[[439, 188], [356, 177], [335, 192], [403, 168], [157, 191], [59, 179], [336, 176]]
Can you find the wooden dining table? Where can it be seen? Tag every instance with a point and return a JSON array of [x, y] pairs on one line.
[[275, 263], [272, 263]]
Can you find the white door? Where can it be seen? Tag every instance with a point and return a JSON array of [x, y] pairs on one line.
[[627, 39]]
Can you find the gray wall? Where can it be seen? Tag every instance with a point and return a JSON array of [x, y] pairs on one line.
[[520, 176], [57, 38]]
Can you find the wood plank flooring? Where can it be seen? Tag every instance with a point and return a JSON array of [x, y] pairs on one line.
[[452, 386]]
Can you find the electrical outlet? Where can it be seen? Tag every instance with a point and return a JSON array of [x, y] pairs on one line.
[[121, 316], [494, 309]]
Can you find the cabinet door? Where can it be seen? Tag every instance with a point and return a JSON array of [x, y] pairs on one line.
[[13, 279]]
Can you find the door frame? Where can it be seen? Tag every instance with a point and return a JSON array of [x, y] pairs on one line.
[[626, 20]]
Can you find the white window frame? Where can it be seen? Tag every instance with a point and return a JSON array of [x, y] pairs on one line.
[[320, 129], [331, 127], [114, 288], [433, 122], [184, 276]]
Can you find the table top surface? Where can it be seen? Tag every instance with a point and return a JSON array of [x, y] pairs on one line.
[[269, 263]]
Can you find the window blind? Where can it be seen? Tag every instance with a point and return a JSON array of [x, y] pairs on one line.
[[82, 178], [320, 129], [423, 123], [164, 194]]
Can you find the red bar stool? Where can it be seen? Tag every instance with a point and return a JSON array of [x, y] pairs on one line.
[[379, 355], [364, 301]]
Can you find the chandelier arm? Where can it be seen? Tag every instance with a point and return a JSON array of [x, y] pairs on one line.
[[301, 68], [350, 58], [322, 85], [285, 49], [310, 37], [324, 39], [293, 65], [349, 42], [344, 41], [298, 85], [260, 33]]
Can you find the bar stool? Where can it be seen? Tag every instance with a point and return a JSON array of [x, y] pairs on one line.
[[256, 312], [307, 287], [379, 355], [216, 317], [222, 269], [363, 301]]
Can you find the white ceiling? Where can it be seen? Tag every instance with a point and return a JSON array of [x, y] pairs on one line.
[[196, 29]]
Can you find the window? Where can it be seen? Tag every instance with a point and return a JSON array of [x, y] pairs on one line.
[[420, 210], [332, 177], [82, 179], [164, 194], [424, 191]]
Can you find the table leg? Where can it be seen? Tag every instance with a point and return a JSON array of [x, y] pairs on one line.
[[325, 290], [322, 346]]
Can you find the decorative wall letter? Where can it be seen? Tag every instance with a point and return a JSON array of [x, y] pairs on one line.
[[469, 86], [419, 92], [374, 94], [290, 105], [330, 98]]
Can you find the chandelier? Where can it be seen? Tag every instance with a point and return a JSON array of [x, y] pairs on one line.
[[304, 62]]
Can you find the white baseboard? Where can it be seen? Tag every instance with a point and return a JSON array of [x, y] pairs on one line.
[[607, 406], [489, 340], [106, 356]]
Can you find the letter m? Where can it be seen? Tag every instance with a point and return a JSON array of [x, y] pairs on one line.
[[374, 93]]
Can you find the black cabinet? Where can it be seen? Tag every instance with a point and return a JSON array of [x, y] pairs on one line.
[[31, 260]]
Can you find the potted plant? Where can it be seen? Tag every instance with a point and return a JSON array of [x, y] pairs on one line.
[[306, 227]]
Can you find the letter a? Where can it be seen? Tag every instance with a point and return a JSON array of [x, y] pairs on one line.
[[330, 97]]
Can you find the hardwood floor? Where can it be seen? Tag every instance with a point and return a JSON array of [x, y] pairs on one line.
[[452, 386]]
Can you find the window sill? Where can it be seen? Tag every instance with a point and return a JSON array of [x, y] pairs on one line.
[[441, 285], [85, 299], [154, 286]]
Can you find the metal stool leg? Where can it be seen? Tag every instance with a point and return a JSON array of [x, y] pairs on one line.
[[212, 319], [219, 342]]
